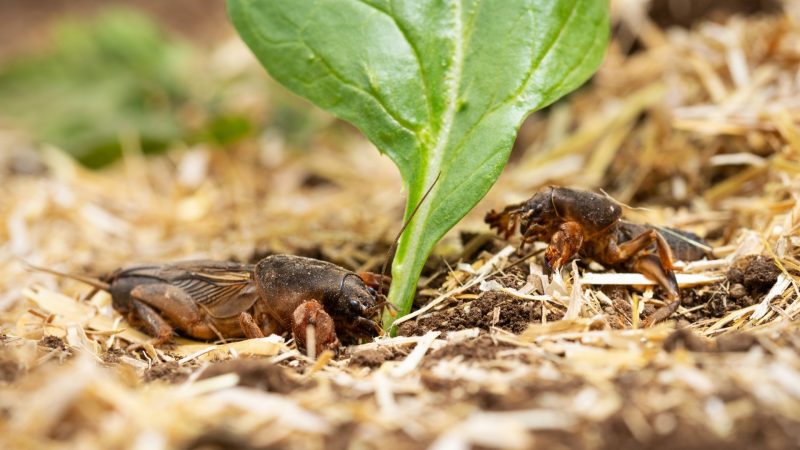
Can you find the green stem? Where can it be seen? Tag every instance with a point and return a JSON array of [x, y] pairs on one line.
[[406, 269]]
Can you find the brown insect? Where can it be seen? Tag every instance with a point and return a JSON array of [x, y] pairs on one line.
[[316, 300], [590, 225]]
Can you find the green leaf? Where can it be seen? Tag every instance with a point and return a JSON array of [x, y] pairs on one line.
[[436, 85]]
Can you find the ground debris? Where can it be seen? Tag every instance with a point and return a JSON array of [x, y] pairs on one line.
[[756, 273], [255, 373], [733, 342], [374, 358], [490, 309], [698, 127]]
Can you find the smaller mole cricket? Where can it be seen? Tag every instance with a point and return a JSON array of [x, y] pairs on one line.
[[281, 293], [583, 223]]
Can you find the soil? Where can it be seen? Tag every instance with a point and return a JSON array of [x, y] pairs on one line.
[[257, 373], [715, 300], [374, 358], [686, 339], [9, 370], [668, 13], [171, 372], [749, 279], [54, 342], [756, 274], [483, 348], [490, 309], [112, 355]]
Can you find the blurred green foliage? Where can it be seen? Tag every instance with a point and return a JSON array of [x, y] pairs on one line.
[[114, 76]]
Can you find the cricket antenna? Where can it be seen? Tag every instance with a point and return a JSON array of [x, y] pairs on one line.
[[95, 283], [405, 225]]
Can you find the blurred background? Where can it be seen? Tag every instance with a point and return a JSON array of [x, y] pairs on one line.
[[86, 75], [693, 111]]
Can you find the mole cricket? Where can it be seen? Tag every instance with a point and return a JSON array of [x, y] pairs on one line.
[[586, 224], [316, 300]]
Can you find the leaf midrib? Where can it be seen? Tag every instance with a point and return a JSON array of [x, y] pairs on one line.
[[452, 81]]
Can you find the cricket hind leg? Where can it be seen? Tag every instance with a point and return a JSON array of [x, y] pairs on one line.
[[252, 330], [629, 249], [651, 266], [658, 267], [154, 324], [178, 307]]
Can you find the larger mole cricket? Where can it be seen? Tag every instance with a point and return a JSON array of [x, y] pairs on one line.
[[280, 293]]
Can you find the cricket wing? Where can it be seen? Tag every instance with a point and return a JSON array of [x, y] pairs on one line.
[[222, 289]]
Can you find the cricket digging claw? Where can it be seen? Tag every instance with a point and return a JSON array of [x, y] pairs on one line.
[[580, 223], [504, 221], [314, 330], [380, 283]]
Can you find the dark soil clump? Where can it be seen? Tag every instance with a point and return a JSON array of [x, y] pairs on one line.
[[368, 358], [757, 274], [733, 342], [491, 309], [54, 342], [112, 356], [9, 370], [374, 358], [258, 374], [666, 14], [170, 372], [716, 300], [481, 349]]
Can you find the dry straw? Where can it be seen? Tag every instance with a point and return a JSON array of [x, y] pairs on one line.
[[704, 124]]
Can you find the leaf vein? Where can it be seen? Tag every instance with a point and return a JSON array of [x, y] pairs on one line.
[[414, 49], [457, 189], [402, 123], [534, 66], [452, 82], [575, 67]]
